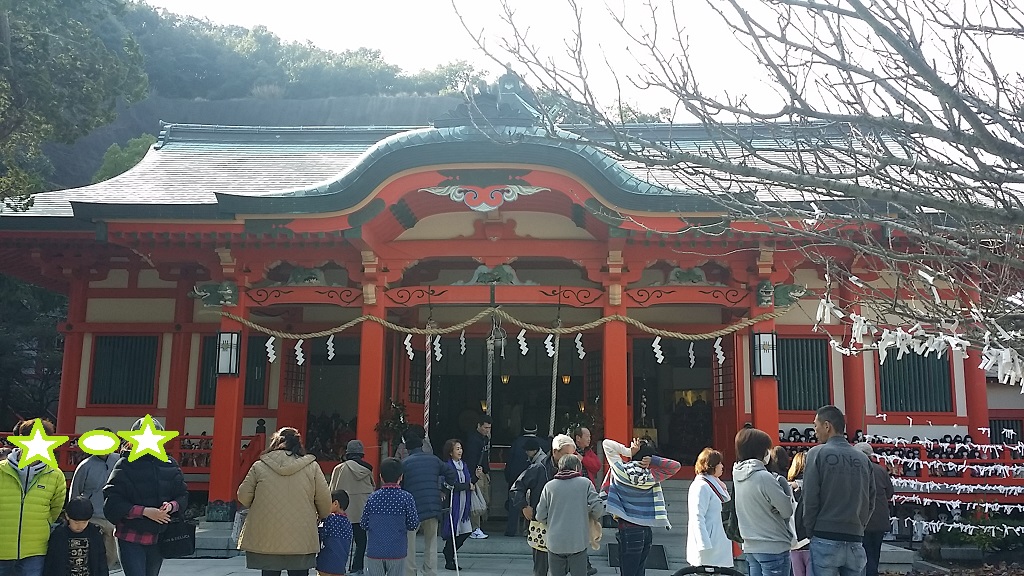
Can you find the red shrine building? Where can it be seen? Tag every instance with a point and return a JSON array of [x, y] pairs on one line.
[[181, 270]]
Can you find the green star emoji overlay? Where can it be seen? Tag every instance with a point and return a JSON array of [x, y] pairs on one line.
[[37, 446], [148, 439]]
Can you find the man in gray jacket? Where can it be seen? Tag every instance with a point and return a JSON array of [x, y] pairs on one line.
[[89, 479], [839, 494]]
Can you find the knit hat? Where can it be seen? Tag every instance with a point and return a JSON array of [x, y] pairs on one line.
[[865, 448], [413, 442], [156, 424], [531, 445], [354, 447]]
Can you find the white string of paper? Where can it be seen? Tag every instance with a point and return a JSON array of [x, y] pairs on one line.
[[579, 345], [984, 470], [437, 348], [693, 357], [408, 347], [300, 358], [929, 444], [549, 345], [719, 352], [958, 504], [462, 343], [330, 347], [271, 350], [523, 347], [659, 356], [908, 485], [934, 526]]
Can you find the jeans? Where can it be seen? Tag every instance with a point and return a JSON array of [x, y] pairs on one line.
[[837, 558], [769, 564], [428, 526], [139, 560], [873, 550], [634, 546], [359, 539], [515, 514], [31, 566], [571, 564]]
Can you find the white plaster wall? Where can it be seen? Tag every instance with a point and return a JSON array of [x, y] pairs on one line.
[[542, 225], [151, 279], [677, 314], [116, 423], [84, 371], [195, 350], [206, 315], [802, 313], [1003, 397], [116, 278], [129, 310], [808, 277], [164, 379]]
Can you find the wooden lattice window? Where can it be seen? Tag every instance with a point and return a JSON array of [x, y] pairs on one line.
[[124, 370], [294, 381], [255, 372], [803, 373], [916, 384]]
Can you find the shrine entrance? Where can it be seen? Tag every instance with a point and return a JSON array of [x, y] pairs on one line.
[[520, 389], [673, 400]]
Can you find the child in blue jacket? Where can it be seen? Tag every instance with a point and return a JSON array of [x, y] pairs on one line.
[[389, 514]]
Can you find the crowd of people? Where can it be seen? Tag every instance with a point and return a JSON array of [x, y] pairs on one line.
[[110, 518], [819, 512]]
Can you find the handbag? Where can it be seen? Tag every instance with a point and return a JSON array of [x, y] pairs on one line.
[[730, 523], [478, 504], [537, 536], [178, 540]]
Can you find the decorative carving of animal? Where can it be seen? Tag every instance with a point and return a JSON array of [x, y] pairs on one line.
[[765, 294], [789, 294], [216, 294], [306, 277]]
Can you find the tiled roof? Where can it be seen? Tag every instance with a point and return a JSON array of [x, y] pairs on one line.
[[204, 171]]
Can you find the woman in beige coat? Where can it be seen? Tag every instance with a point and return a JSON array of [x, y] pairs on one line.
[[287, 495], [355, 476]]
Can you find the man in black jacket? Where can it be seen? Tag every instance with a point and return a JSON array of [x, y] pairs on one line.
[[518, 461], [421, 474], [478, 456], [527, 488]]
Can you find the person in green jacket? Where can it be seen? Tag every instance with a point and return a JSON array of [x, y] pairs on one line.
[[31, 498]]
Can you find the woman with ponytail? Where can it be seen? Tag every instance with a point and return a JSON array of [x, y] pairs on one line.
[[287, 495]]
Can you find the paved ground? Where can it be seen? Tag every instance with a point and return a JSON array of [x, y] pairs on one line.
[[482, 565]]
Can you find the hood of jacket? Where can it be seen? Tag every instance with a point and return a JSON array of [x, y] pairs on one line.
[[28, 473], [284, 464], [742, 471]]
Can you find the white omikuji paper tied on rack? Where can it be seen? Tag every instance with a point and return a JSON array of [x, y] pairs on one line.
[[271, 350]]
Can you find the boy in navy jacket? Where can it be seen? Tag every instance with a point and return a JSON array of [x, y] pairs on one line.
[[76, 546], [389, 514]]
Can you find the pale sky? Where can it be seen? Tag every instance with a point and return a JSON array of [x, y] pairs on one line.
[[422, 34]]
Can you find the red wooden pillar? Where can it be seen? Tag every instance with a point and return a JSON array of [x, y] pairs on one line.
[[614, 392], [226, 456], [764, 391], [71, 366], [181, 352], [371, 382], [854, 392], [977, 396]]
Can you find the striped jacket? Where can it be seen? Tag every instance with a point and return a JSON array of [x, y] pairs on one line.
[[634, 492]]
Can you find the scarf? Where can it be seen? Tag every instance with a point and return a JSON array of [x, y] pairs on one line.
[[461, 499], [567, 474]]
